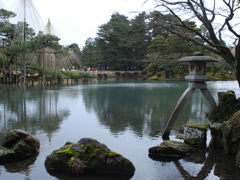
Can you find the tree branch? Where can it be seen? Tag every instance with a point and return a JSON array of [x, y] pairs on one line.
[[230, 17], [189, 28], [216, 51]]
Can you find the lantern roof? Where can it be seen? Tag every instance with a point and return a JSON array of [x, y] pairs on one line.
[[197, 57]]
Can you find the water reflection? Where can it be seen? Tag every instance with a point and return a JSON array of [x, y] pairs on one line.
[[21, 166], [142, 108], [68, 177], [134, 111], [30, 109], [203, 162]]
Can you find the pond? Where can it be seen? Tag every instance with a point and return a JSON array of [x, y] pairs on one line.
[[127, 116]]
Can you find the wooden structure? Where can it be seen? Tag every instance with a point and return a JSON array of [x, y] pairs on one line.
[[197, 80]]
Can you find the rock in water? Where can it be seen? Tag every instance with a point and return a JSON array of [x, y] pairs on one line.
[[231, 134], [88, 157], [195, 134], [227, 106], [169, 148], [17, 144]]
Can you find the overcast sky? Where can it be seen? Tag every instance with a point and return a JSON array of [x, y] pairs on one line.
[[76, 20]]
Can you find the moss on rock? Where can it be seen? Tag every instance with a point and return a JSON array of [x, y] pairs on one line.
[[68, 150], [88, 156], [195, 134], [231, 134], [170, 149], [112, 154], [197, 125]]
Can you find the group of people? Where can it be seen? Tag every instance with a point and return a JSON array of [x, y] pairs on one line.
[[89, 69]]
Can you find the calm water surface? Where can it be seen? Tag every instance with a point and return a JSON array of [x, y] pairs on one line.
[[126, 116]]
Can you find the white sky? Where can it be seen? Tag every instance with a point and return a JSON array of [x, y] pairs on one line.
[[77, 20]]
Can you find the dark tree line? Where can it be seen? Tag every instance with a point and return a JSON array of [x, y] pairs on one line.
[[131, 44]]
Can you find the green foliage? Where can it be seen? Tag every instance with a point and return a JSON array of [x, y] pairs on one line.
[[15, 48], [54, 74], [6, 15], [91, 53], [6, 28], [171, 45], [113, 40], [119, 45], [75, 48], [78, 75], [6, 31], [14, 43], [45, 41], [57, 74], [122, 44]]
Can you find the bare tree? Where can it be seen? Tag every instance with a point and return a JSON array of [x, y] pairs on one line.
[[220, 20]]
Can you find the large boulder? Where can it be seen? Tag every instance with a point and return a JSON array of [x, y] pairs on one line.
[[170, 149], [88, 157], [17, 144]]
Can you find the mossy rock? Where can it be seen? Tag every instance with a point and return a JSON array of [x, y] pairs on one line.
[[17, 145], [195, 134], [227, 106], [88, 157], [231, 134], [171, 149]]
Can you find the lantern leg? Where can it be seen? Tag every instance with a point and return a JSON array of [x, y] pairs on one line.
[[209, 98], [180, 103]]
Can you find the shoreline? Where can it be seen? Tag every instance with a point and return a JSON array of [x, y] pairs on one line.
[[104, 75]]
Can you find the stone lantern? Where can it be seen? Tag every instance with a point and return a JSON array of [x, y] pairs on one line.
[[197, 80], [197, 67]]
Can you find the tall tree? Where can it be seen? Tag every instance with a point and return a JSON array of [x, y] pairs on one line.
[[219, 20], [6, 37], [139, 36], [91, 53], [113, 39], [6, 28]]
